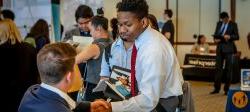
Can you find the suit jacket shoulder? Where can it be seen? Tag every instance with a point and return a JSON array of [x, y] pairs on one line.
[[38, 99]]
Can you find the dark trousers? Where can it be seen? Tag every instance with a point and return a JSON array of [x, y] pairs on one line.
[[228, 58], [89, 95], [167, 104]]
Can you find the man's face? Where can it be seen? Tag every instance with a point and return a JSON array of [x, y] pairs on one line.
[[83, 24], [225, 20], [130, 26]]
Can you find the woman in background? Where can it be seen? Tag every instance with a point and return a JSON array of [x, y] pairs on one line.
[[18, 65], [39, 34], [153, 22], [200, 47]]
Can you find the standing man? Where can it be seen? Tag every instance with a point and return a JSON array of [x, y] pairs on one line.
[[93, 54], [226, 33], [83, 16], [56, 64], [156, 80], [168, 27]]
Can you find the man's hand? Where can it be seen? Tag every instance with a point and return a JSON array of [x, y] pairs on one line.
[[100, 106], [104, 78], [216, 40], [226, 37]]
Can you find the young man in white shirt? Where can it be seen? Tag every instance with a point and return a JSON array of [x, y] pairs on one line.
[[157, 72]]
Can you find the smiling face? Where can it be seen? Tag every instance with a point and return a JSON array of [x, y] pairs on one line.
[[130, 26]]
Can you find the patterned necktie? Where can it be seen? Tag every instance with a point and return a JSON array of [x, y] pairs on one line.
[[133, 79]]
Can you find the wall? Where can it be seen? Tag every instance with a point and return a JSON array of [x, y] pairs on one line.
[[243, 20]]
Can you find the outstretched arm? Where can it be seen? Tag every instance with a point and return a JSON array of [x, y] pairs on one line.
[[90, 52]]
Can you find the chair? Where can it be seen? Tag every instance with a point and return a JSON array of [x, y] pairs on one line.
[[186, 101]]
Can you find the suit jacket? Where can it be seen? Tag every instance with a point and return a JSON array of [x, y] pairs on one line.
[[232, 30], [39, 99], [75, 32]]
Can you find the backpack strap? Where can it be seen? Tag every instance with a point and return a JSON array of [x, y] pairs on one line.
[[108, 55]]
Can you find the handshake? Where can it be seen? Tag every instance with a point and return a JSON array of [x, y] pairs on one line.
[[100, 105]]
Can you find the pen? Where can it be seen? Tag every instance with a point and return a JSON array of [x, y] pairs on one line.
[[108, 100]]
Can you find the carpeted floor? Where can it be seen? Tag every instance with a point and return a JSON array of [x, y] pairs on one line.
[[204, 102]]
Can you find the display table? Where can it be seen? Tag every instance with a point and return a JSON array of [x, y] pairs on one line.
[[202, 67], [238, 100], [199, 67]]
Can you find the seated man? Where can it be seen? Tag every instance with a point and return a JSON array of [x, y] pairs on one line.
[[56, 64]]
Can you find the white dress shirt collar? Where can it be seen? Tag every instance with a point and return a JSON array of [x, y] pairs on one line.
[[72, 103]]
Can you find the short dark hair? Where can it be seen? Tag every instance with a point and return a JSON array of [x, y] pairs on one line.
[[224, 15], [100, 21], [8, 14], [169, 12], [139, 7], [83, 11], [54, 61], [114, 27]]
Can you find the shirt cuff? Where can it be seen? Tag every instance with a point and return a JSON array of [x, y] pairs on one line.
[[117, 107]]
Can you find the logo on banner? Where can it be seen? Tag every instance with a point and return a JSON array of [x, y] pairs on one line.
[[240, 99]]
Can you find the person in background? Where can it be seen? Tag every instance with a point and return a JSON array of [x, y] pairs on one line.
[[225, 34], [200, 47], [39, 34], [8, 14], [18, 65], [93, 54], [56, 63], [83, 16], [153, 22], [168, 27], [156, 79], [113, 25]]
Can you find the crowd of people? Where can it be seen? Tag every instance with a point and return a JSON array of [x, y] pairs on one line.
[[46, 71]]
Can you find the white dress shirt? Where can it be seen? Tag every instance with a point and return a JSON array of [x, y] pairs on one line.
[[158, 72], [71, 102]]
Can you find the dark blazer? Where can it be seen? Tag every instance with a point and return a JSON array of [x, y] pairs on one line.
[[39, 99], [75, 32], [232, 30], [169, 27], [18, 72]]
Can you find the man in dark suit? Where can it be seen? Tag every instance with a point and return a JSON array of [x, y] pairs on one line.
[[83, 16], [168, 27], [56, 64], [225, 34]]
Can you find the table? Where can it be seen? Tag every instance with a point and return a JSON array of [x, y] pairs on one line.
[[238, 100], [202, 67]]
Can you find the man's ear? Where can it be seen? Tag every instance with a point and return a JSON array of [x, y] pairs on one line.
[[69, 77], [98, 28], [144, 22]]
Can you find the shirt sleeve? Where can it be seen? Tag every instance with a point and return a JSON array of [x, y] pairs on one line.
[[151, 83], [104, 67]]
